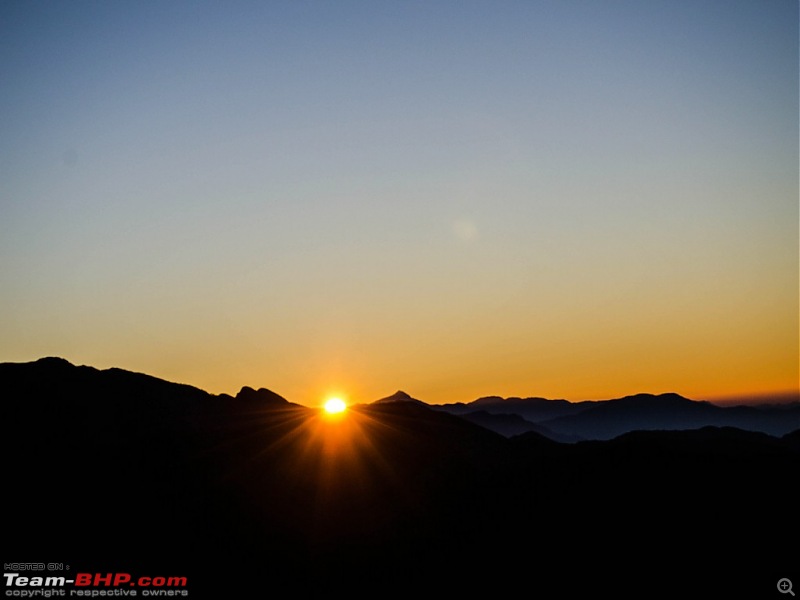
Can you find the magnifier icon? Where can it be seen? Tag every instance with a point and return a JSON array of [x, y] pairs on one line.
[[785, 586]]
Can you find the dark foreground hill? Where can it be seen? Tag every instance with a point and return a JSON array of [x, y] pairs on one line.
[[253, 496]]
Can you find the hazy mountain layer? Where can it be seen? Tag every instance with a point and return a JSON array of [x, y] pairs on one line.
[[602, 420]]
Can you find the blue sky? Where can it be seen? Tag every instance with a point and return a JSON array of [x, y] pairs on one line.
[[575, 199]]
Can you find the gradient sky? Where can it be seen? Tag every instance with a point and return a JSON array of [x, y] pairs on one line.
[[570, 199]]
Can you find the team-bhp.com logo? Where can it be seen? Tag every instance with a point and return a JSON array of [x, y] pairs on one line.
[[93, 585]]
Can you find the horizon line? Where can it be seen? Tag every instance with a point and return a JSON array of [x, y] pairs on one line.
[[784, 396]]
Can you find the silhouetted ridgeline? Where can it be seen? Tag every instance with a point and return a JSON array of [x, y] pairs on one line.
[[603, 420], [118, 471]]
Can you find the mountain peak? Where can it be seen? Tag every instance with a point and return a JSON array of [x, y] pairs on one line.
[[262, 395], [651, 399], [53, 362], [398, 396]]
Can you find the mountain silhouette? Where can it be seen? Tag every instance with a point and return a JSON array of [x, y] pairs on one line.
[[530, 409], [605, 419], [399, 396], [510, 425], [261, 396], [118, 471]]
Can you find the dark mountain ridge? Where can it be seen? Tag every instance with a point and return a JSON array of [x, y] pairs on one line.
[[118, 471], [531, 409], [605, 419], [399, 396]]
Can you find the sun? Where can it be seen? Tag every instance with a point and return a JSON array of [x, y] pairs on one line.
[[335, 406]]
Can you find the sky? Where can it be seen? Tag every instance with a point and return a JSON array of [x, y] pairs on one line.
[[577, 199]]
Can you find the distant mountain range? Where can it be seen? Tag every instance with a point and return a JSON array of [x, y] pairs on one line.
[[565, 421], [109, 470]]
